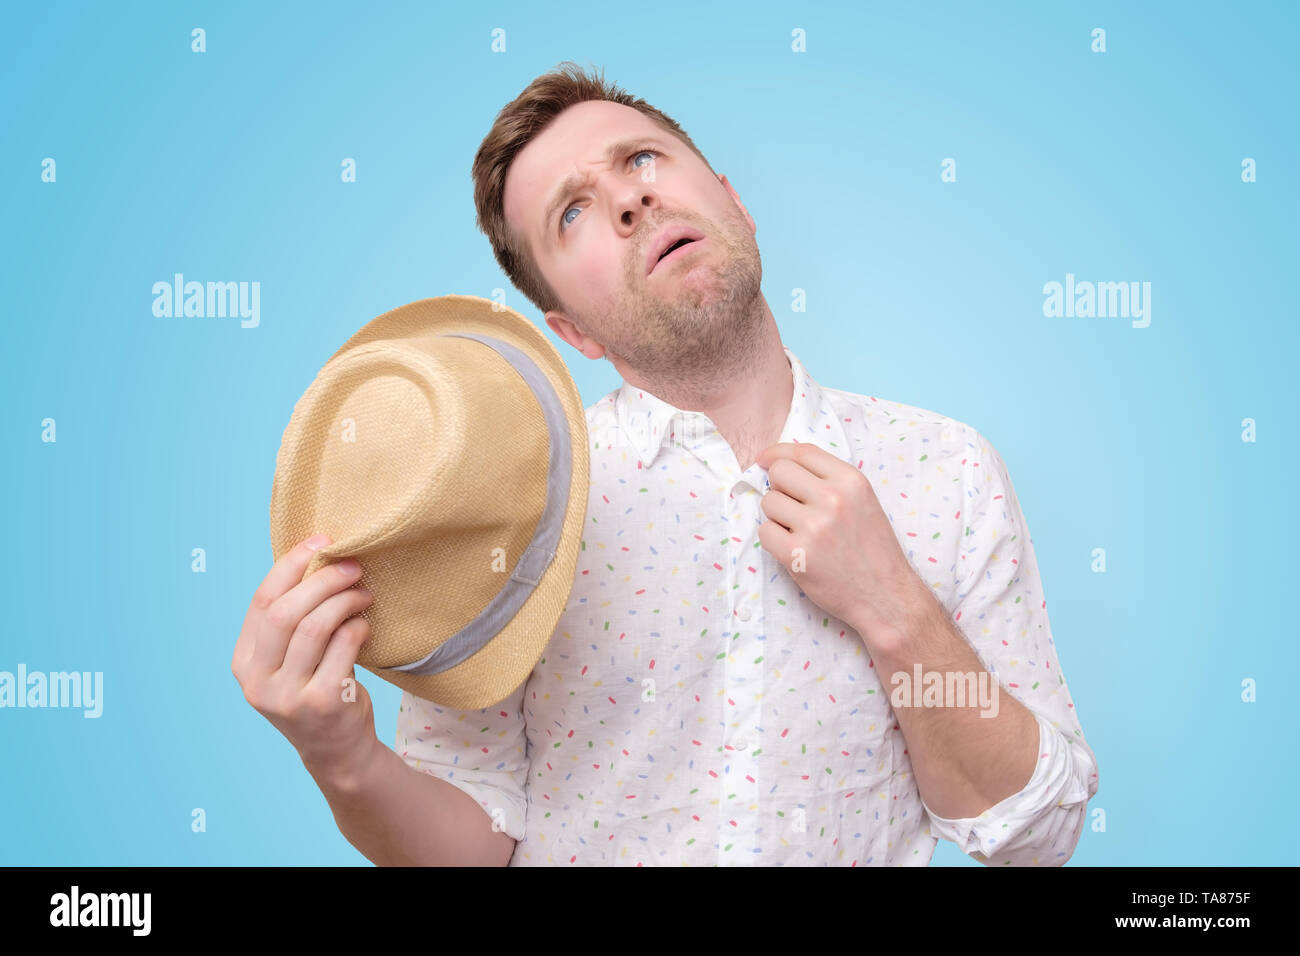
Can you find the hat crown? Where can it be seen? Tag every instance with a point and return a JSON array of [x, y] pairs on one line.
[[401, 436], [441, 456]]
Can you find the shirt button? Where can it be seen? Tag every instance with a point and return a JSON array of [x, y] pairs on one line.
[[743, 614], [741, 744]]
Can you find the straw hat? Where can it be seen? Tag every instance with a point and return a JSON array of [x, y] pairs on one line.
[[444, 446]]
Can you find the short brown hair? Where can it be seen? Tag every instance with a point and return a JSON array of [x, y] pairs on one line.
[[515, 126]]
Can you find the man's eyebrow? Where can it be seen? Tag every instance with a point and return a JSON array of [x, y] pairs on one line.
[[576, 180]]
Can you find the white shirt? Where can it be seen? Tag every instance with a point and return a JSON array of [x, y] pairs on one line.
[[693, 707]]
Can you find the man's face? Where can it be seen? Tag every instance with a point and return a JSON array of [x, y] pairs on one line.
[[678, 320]]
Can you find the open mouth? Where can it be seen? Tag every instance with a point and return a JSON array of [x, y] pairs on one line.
[[672, 249]]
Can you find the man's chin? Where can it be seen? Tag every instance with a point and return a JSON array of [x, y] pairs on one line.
[[699, 286]]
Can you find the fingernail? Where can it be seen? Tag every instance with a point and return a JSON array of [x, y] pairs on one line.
[[349, 566], [316, 542]]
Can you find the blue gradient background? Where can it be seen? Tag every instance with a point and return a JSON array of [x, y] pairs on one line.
[[225, 166]]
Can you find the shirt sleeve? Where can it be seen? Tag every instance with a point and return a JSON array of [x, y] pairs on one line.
[[483, 752], [1002, 611]]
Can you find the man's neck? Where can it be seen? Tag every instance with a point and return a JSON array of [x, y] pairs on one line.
[[748, 402]]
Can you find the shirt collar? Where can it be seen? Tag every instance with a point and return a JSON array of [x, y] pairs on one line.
[[648, 423]]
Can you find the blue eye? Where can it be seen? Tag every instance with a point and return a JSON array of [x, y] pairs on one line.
[[640, 152]]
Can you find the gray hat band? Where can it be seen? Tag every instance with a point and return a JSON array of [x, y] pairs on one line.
[[541, 549]]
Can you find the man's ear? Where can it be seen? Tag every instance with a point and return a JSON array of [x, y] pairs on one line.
[[722, 178], [566, 330]]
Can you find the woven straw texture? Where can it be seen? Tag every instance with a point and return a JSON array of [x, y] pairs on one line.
[[425, 458]]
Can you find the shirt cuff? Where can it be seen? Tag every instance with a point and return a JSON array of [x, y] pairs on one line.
[[1007, 819]]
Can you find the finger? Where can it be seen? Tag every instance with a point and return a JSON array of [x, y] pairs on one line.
[[313, 633], [793, 479], [282, 618], [818, 460], [340, 656], [284, 574], [776, 540], [243, 648], [288, 571], [812, 458], [783, 509]]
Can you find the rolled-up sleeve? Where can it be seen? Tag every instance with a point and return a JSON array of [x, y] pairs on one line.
[[482, 752], [1002, 611], [1040, 825]]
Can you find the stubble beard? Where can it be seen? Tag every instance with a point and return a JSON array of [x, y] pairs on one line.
[[694, 332]]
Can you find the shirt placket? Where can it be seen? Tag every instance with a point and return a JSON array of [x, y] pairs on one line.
[[741, 830]]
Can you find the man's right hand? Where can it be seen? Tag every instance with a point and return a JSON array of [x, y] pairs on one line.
[[294, 660]]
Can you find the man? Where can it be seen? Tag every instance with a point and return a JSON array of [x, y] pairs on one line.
[[806, 626]]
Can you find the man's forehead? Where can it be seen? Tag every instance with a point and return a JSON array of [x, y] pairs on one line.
[[576, 137]]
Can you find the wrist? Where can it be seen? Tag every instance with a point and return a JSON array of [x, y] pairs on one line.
[[346, 774], [911, 611]]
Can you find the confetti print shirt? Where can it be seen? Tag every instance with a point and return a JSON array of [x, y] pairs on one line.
[[693, 707]]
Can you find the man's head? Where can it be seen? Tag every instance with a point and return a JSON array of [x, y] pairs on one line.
[[576, 230]]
